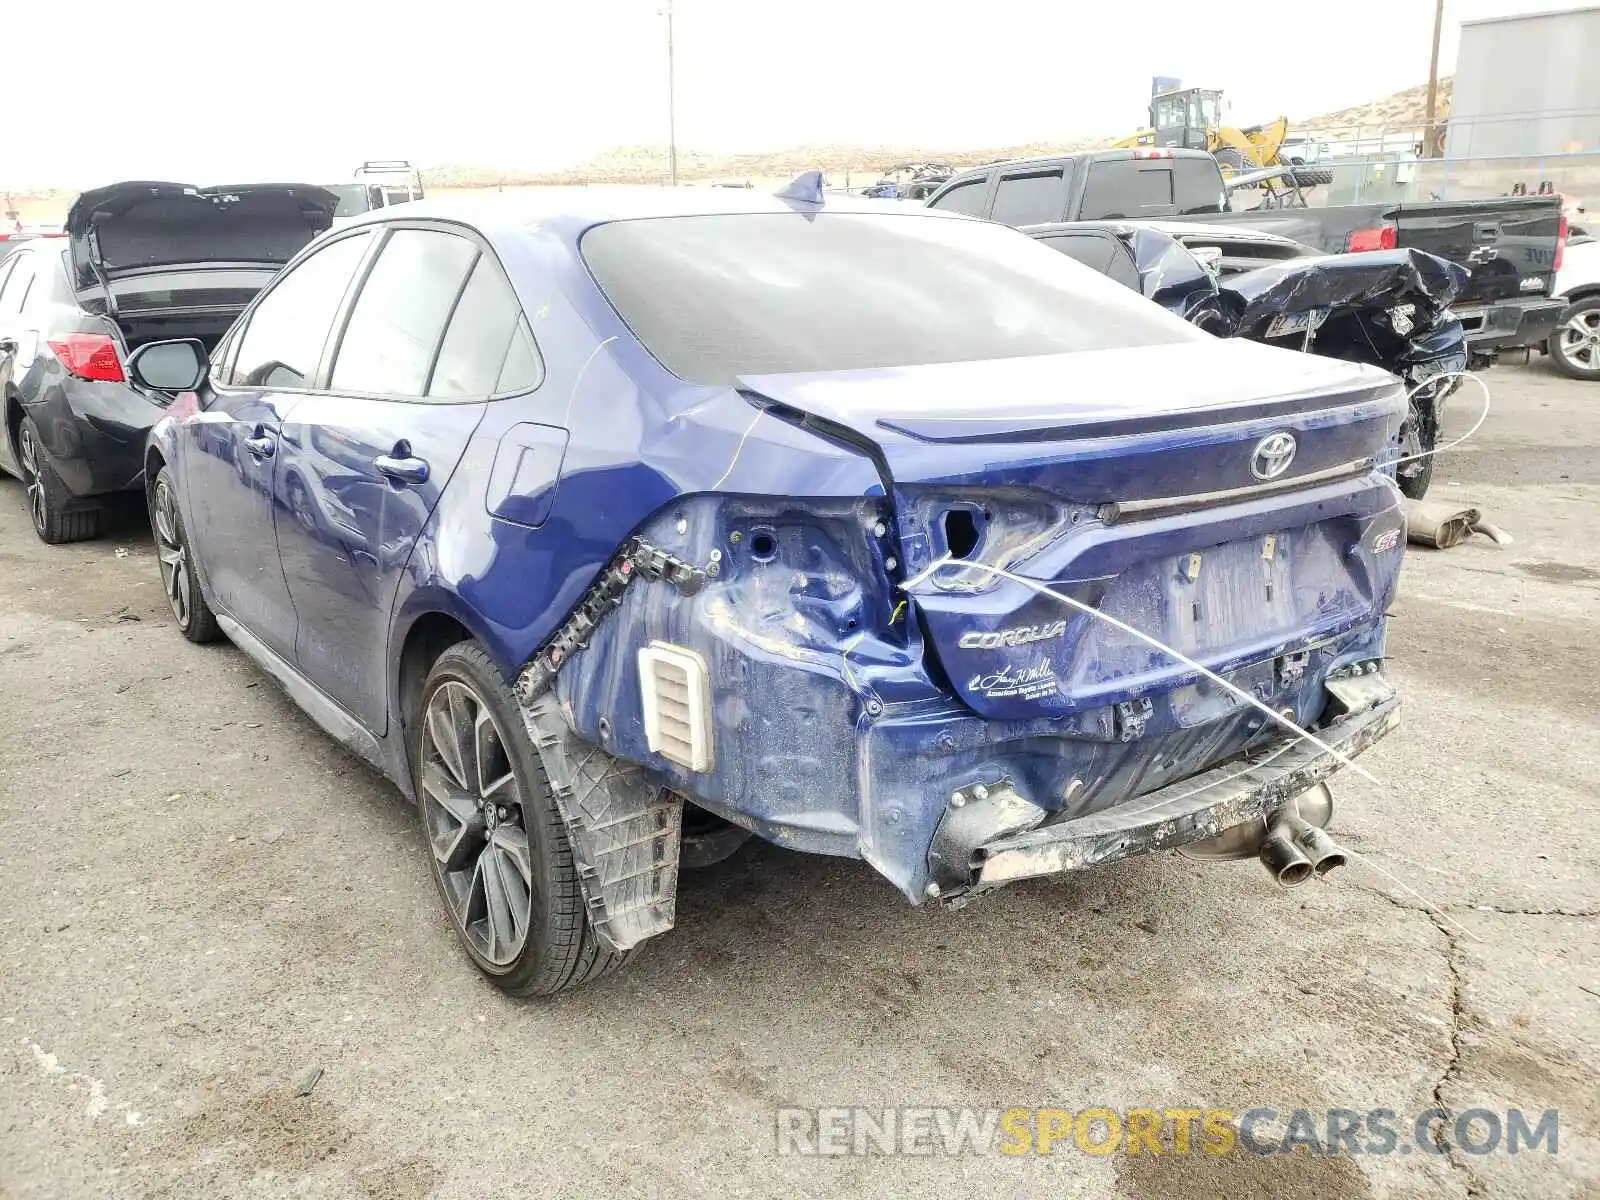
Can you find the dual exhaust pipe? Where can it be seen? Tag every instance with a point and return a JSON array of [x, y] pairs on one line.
[[1294, 848]]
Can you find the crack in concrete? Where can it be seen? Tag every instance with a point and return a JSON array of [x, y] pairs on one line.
[[1461, 906], [1527, 912], [1452, 1069]]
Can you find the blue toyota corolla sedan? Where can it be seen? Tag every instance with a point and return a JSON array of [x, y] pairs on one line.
[[617, 527]]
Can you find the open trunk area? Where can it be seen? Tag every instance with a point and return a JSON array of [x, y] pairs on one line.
[[208, 327]]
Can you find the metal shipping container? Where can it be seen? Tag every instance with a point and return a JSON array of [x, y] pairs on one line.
[[1527, 85]]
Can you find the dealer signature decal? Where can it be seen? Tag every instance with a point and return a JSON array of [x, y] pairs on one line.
[[1021, 683]]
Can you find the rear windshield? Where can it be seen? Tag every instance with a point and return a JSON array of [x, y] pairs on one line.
[[717, 297], [352, 198]]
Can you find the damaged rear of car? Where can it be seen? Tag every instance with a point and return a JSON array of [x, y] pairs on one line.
[[1093, 536]]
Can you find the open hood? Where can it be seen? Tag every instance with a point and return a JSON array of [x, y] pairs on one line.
[[130, 227]]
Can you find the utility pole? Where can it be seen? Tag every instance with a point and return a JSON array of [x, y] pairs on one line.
[[1429, 146], [672, 101]]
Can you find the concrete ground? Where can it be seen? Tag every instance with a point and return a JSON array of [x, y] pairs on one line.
[[203, 901]]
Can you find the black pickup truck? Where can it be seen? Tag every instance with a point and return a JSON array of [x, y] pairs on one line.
[[1511, 245]]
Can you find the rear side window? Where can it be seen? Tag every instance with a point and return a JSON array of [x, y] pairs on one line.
[[478, 341], [718, 297], [1030, 199], [282, 344], [964, 197], [1087, 248], [1100, 251], [49, 283], [1197, 187], [1127, 188], [15, 288], [395, 327], [523, 369]]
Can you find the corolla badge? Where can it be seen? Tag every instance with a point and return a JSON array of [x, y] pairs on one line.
[[1272, 455], [1019, 635]]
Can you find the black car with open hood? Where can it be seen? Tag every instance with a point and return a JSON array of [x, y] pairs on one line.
[[141, 262], [172, 248]]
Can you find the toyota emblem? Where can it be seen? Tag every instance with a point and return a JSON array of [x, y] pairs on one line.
[[1272, 456]]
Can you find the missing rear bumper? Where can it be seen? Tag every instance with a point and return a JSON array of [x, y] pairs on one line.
[[1201, 807]]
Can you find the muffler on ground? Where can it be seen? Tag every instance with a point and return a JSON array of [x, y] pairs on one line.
[[1293, 845]]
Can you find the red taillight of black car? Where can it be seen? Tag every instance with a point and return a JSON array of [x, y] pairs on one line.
[[91, 356]]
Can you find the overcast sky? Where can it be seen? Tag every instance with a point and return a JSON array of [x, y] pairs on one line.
[[305, 89]]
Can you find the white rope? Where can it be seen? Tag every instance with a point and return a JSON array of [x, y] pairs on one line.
[[1476, 425]]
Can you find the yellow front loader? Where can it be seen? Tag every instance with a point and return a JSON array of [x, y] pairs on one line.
[[1192, 118]]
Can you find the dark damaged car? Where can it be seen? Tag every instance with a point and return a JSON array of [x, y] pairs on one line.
[[1388, 308], [617, 528], [139, 262]]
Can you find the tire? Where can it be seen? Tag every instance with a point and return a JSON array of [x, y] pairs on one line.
[[50, 505], [1420, 433], [493, 870], [1574, 347], [1305, 176], [1312, 177], [195, 619]]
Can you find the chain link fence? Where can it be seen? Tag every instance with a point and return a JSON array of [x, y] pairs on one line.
[[1406, 179], [1472, 158]]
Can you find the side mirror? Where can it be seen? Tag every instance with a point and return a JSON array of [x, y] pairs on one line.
[[178, 366]]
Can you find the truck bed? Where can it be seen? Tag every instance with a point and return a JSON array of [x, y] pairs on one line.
[[1510, 244]]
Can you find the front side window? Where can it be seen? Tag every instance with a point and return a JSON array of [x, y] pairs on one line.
[[395, 327], [965, 198], [718, 297], [219, 370], [282, 344]]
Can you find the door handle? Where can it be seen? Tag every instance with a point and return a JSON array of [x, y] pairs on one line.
[[261, 445], [402, 468]]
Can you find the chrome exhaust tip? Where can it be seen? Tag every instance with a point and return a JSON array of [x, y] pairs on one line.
[[1283, 859], [1325, 853]]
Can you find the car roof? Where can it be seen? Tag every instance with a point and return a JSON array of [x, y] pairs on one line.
[[582, 207], [1105, 154], [1176, 229]]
